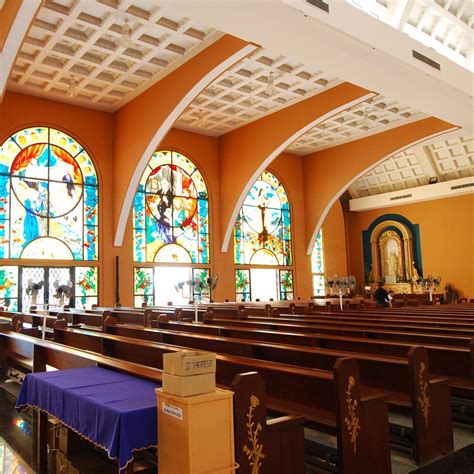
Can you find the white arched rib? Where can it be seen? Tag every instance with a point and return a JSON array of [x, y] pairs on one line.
[[275, 153], [164, 129], [343, 189]]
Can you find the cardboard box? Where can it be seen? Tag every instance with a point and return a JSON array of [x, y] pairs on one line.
[[196, 434], [186, 363], [189, 385]]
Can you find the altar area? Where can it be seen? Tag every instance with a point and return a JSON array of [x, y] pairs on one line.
[[392, 255]]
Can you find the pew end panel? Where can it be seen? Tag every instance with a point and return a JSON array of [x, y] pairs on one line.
[[17, 323], [432, 418], [363, 433], [273, 447], [471, 348]]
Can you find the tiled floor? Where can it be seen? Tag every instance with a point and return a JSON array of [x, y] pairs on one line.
[[10, 462], [16, 443]]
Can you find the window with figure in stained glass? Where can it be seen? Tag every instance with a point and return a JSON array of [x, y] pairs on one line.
[[262, 236], [171, 212], [317, 266], [170, 226], [262, 233], [48, 211], [48, 197]]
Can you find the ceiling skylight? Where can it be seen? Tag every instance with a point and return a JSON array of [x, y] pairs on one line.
[[443, 25]]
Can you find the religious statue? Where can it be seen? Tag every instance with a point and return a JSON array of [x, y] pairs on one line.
[[393, 266], [414, 273], [371, 273]]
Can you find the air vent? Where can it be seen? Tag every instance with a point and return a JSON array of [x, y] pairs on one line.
[[403, 196], [426, 60], [319, 4], [460, 186]]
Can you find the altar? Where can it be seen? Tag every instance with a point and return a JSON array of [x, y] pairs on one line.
[[392, 254]]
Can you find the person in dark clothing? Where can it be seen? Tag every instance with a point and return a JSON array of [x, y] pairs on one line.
[[381, 296]]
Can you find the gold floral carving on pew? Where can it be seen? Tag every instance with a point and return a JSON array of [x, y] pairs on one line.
[[18, 326], [423, 398], [255, 451], [352, 420]]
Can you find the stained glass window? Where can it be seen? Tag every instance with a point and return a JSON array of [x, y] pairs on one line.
[[317, 266], [25, 286], [86, 287], [48, 197], [262, 234], [242, 285], [144, 286], [9, 288], [170, 212], [286, 285]]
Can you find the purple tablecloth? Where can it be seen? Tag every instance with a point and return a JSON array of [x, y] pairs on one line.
[[113, 410]]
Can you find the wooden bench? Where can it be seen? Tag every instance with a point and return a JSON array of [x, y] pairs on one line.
[[385, 374], [290, 389], [284, 437], [454, 362]]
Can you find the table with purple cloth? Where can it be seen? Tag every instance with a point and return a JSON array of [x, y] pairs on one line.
[[114, 410]]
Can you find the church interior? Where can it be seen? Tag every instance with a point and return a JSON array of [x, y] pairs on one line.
[[237, 236]]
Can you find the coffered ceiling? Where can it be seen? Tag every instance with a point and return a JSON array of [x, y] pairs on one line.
[[444, 160], [78, 41], [260, 84], [376, 115]]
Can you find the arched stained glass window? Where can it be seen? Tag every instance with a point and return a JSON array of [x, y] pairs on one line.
[[262, 234], [170, 212], [48, 197], [317, 266]]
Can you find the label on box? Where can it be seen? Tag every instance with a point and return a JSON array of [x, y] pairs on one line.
[[171, 410], [196, 366], [186, 363]]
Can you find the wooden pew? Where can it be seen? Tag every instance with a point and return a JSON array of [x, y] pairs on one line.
[[384, 374], [387, 374], [284, 451], [454, 362], [346, 329], [17, 324], [434, 328], [275, 446], [290, 389]]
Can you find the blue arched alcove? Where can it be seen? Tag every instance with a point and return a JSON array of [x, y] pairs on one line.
[[415, 231]]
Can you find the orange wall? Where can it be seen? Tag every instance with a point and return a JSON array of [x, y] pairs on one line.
[[138, 122], [251, 145], [447, 238], [93, 130], [334, 242], [327, 173], [288, 168], [203, 151]]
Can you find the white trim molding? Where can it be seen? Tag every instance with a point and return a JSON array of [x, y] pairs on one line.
[[164, 129], [277, 151]]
